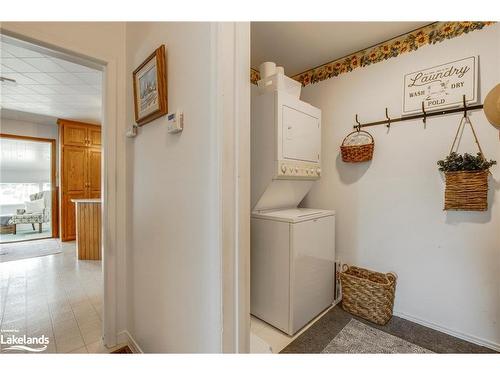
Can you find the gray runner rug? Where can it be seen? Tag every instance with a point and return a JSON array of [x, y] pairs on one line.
[[357, 337]]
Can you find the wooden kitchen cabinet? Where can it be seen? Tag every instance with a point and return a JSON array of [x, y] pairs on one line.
[[94, 172], [74, 169], [74, 134], [80, 170], [94, 137]]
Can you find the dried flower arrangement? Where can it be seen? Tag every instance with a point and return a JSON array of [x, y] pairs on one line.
[[466, 162]]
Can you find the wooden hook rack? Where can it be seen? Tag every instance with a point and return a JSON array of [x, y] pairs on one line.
[[424, 115]]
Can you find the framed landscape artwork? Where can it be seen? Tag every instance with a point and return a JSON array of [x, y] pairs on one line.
[[150, 88]]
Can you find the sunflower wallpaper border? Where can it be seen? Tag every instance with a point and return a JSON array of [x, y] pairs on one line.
[[430, 34]]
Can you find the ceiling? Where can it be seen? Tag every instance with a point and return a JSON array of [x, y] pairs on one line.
[[299, 46], [48, 85]]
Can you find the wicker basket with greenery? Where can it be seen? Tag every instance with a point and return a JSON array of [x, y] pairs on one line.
[[466, 177]]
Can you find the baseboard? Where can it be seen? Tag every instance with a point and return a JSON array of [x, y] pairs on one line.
[[464, 336], [126, 338]]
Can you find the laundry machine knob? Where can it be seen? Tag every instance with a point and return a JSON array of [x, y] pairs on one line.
[[318, 171], [283, 168], [296, 170]]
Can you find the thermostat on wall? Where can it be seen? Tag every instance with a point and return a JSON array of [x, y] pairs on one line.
[[175, 122]]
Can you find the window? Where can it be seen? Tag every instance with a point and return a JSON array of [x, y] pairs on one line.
[[17, 193]]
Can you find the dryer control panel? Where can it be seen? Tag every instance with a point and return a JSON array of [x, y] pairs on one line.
[[287, 169]]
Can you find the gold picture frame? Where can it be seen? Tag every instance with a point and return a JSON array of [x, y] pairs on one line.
[[150, 88]]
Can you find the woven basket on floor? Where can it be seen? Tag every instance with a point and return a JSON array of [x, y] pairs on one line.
[[466, 191], [368, 294], [357, 147]]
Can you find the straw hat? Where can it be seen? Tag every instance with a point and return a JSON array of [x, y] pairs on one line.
[[491, 106]]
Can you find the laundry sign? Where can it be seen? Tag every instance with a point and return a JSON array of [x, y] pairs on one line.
[[441, 87]]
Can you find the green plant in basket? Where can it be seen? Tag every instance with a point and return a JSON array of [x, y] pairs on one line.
[[466, 176], [466, 162]]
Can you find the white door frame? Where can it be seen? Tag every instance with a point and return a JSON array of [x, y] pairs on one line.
[[232, 111], [63, 44]]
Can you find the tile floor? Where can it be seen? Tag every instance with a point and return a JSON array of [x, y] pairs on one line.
[[275, 338], [56, 295]]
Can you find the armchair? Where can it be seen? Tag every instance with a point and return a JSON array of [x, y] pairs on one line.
[[21, 217]]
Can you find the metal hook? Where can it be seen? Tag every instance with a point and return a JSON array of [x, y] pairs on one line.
[[465, 106], [358, 128], [425, 115], [387, 117]]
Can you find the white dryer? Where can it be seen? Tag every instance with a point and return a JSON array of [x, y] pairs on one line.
[[285, 150]]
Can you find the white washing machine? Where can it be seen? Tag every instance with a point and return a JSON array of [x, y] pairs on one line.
[[292, 249], [292, 266]]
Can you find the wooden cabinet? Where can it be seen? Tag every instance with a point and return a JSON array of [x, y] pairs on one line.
[[80, 171], [94, 137], [80, 134], [68, 216], [94, 172], [74, 134], [74, 169]]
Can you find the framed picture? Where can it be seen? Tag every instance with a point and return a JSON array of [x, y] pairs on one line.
[[150, 88]]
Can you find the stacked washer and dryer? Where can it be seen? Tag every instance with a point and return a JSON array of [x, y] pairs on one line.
[[292, 248]]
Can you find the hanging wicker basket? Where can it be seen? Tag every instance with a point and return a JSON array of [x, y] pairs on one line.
[[368, 294], [357, 147], [466, 190]]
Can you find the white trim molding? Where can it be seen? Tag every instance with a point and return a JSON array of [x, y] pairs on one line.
[[464, 336], [232, 116], [125, 338]]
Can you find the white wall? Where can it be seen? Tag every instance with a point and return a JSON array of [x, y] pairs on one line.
[[173, 284], [28, 129], [389, 211]]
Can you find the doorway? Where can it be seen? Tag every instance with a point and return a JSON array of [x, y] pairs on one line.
[[63, 295], [28, 192]]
